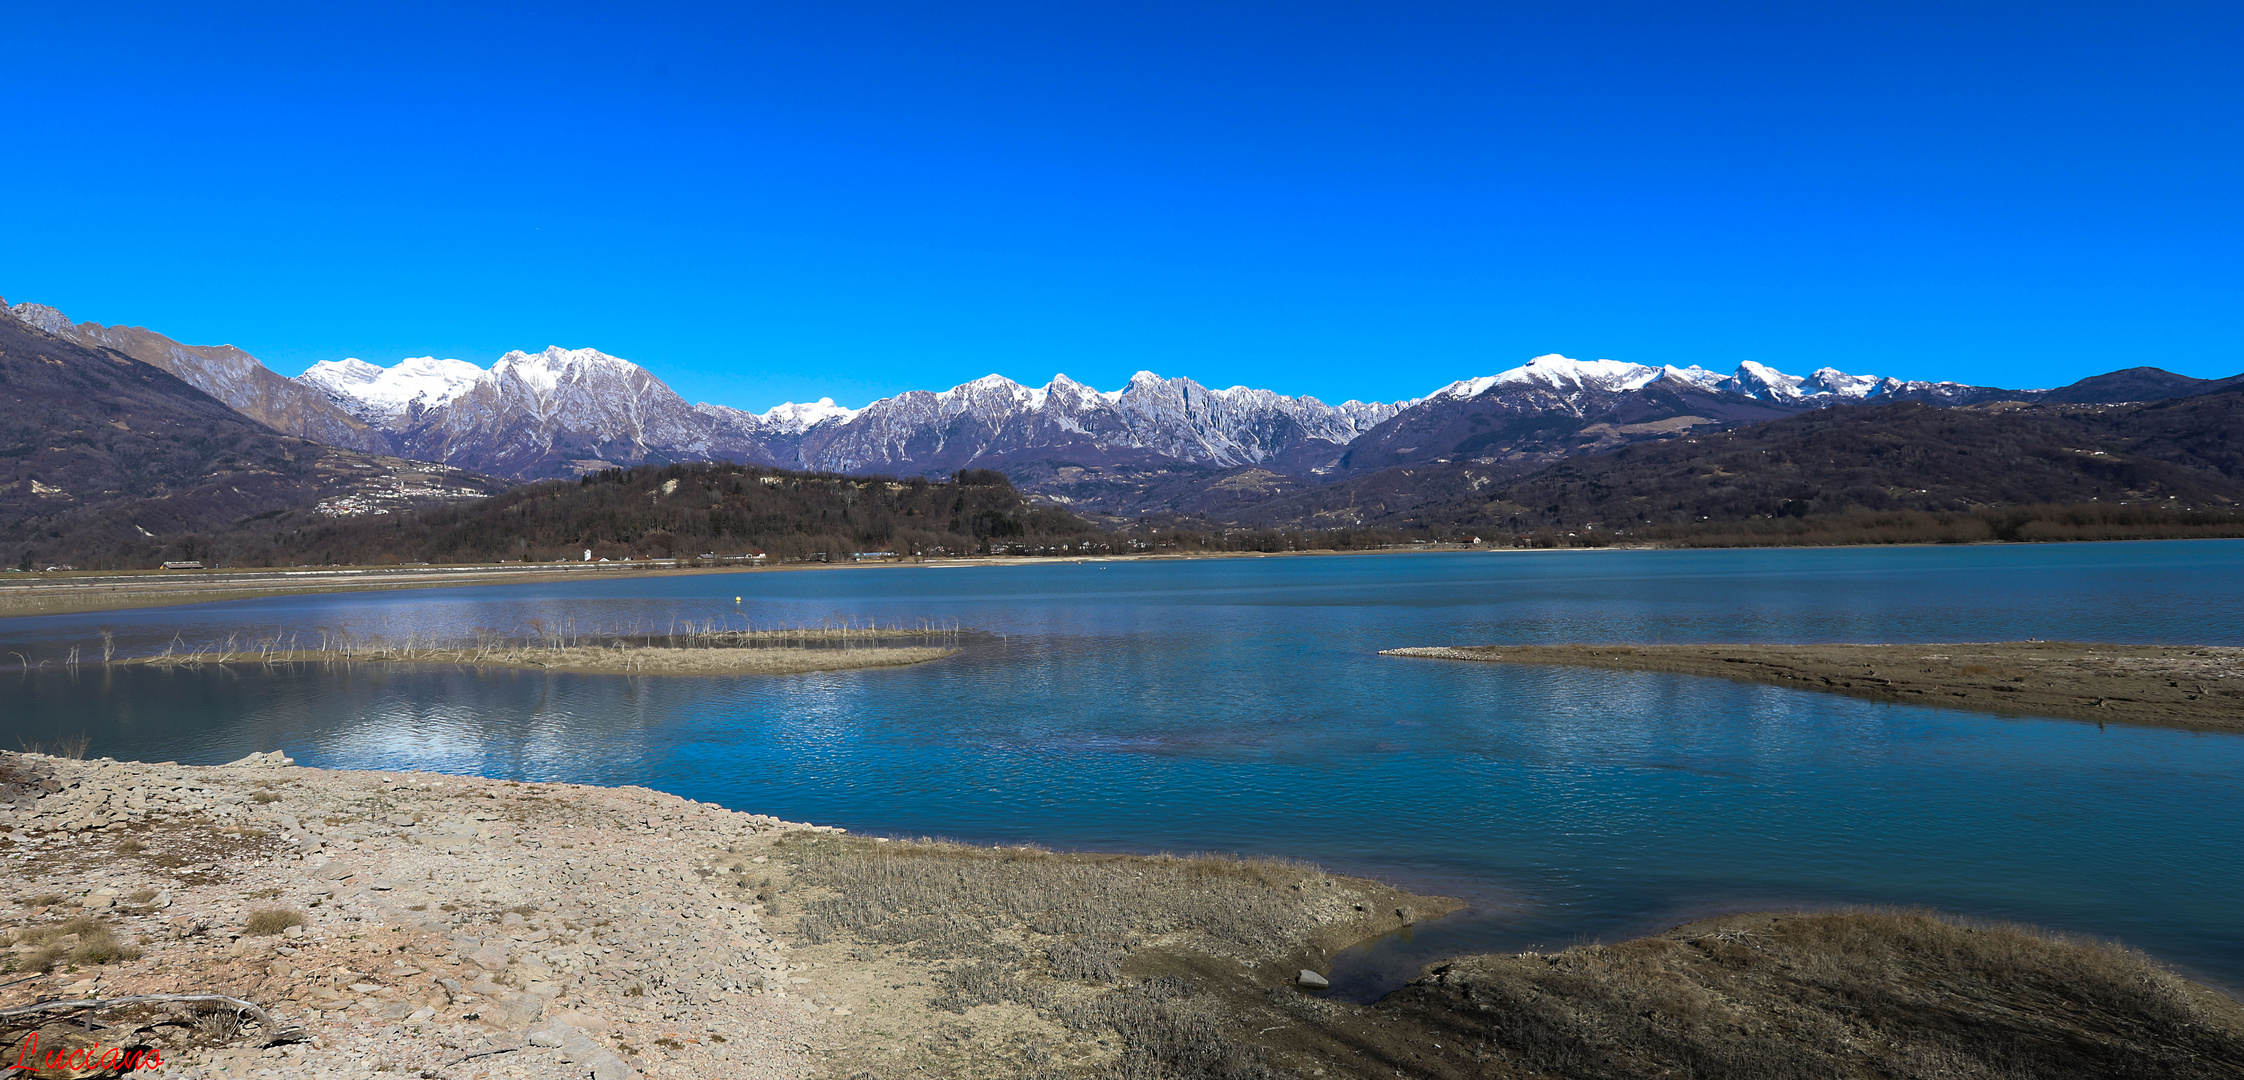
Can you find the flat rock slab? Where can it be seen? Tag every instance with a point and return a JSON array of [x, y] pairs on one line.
[[2188, 686]]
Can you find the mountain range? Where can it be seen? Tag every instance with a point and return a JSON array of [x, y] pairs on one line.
[[1156, 445]]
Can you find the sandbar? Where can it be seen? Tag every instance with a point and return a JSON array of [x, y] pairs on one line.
[[2187, 686]]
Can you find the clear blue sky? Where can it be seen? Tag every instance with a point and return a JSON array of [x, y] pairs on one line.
[[765, 202]]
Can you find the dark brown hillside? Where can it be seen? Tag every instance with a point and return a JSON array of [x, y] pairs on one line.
[[680, 511], [238, 380], [2134, 384], [106, 461], [2175, 455], [1898, 457]]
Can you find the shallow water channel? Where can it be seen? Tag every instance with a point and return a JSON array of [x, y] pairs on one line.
[[1238, 705]]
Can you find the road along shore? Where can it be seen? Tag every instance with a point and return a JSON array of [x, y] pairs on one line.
[[2186, 686]]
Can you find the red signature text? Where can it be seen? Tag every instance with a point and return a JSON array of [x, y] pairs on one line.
[[93, 1058]]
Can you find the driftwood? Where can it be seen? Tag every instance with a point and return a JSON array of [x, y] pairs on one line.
[[275, 1032]]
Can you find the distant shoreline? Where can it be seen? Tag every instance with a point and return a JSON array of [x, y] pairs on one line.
[[2198, 687], [79, 592]]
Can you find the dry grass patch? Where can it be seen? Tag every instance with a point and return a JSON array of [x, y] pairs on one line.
[[266, 922], [1851, 994], [78, 941], [1132, 960]]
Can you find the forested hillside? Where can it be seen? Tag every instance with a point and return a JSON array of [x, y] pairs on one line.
[[679, 511]]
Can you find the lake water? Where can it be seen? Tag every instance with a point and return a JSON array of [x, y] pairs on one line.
[[1238, 705]]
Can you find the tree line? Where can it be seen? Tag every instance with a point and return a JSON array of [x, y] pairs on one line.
[[679, 511]]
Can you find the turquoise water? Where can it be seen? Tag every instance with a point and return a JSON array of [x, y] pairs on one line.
[[1238, 705]]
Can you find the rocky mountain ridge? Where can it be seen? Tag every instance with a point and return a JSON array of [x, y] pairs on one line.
[[1156, 444], [224, 372]]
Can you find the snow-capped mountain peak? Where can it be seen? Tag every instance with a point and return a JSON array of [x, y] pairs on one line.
[[546, 371], [1840, 384], [1560, 373], [1694, 375], [794, 418], [384, 395]]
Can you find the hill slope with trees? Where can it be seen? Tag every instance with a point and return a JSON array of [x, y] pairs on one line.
[[681, 511]]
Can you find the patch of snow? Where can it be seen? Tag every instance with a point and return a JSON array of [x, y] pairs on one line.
[[1695, 375], [795, 417], [384, 394], [1758, 380], [1560, 373], [1840, 384]]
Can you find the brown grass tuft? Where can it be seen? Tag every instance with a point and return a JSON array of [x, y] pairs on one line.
[[269, 921], [82, 940]]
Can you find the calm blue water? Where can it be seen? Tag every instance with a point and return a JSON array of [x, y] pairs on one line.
[[1237, 705]]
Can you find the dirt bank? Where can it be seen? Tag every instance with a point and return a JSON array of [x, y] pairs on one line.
[[2185, 686]]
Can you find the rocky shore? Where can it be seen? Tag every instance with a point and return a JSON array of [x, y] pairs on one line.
[[273, 921], [442, 926], [2188, 686], [409, 924]]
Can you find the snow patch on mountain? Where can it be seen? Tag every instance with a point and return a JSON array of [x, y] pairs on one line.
[[1557, 373], [794, 418], [1568, 378], [1694, 375], [389, 395]]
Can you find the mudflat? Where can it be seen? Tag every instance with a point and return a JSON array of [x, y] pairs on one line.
[[2187, 686]]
